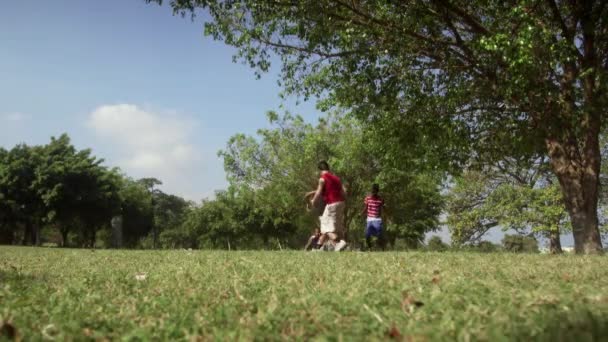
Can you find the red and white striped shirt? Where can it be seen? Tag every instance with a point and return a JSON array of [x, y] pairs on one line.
[[373, 205]]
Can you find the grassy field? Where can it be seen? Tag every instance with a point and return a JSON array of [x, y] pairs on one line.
[[48, 293]]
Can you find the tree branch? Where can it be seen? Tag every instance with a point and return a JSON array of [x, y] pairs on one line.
[[558, 18], [468, 18]]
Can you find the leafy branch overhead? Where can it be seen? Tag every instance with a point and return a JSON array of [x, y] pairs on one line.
[[496, 79]]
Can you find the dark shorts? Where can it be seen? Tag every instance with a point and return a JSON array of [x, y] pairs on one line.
[[373, 228]]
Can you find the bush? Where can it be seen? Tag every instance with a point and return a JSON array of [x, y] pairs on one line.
[[520, 244], [177, 238], [487, 247], [436, 244]]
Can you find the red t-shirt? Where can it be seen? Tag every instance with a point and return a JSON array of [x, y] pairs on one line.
[[332, 188], [374, 206]]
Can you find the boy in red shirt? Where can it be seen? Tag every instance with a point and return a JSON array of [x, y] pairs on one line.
[[332, 221]]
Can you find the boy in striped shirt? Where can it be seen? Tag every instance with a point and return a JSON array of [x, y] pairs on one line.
[[373, 209]]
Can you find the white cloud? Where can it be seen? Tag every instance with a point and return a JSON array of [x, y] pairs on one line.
[[151, 144], [14, 117]]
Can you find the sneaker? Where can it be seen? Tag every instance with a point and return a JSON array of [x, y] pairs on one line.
[[340, 245]]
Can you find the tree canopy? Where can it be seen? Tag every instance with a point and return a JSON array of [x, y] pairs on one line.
[[470, 80], [281, 167], [58, 188], [522, 197]]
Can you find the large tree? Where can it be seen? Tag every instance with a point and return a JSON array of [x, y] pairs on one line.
[[76, 189], [7, 229], [169, 213], [22, 203], [55, 185], [136, 210], [501, 77]]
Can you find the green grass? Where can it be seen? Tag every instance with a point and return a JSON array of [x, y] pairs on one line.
[[70, 294]]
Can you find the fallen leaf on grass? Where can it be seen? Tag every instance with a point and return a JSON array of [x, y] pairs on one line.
[[436, 279], [409, 303], [49, 332], [394, 333]]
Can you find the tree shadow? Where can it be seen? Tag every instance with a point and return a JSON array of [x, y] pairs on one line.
[[19, 278], [578, 325]]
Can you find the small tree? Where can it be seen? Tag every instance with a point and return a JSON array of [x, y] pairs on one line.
[[487, 247], [436, 244], [520, 244]]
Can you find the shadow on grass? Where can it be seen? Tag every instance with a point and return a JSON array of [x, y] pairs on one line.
[[579, 325], [19, 278]]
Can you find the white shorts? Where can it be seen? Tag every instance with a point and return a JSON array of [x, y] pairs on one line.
[[332, 220]]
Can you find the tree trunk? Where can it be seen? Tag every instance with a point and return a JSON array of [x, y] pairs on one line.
[[154, 237], [578, 177], [577, 160], [36, 234], [116, 224], [345, 224], [64, 237], [27, 233], [555, 245], [91, 238], [6, 236]]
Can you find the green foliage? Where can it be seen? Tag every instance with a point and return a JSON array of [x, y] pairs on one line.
[[435, 244], [229, 221], [450, 80], [55, 184], [520, 244], [483, 246], [474, 66], [487, 247], [68, 294], [521, 198], [280, 167], [68, 190], [76, 189], [136, 211], [21, 200]]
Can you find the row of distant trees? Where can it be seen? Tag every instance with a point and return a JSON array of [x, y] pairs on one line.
[[510, 243], [57, 193], [269, 173]]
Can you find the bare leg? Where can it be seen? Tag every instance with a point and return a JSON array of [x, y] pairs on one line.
[[321, 240], [333, 237]]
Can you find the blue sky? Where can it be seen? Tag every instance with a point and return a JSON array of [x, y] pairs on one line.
[[143, 88]]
